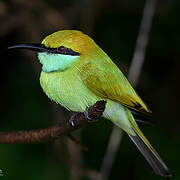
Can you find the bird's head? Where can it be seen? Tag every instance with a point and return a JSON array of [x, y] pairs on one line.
[[62, 49]]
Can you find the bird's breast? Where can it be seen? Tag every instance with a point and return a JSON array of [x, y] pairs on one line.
[[67, 89]]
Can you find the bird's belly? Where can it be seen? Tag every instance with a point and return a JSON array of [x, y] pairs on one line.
[[68, 90]]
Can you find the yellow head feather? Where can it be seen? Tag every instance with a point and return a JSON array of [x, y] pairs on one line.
[[73, 39]]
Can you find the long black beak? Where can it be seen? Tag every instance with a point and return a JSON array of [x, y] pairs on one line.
[[41, 48], [34, 47]]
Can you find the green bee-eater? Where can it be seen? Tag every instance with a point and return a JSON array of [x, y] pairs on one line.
[[76, 73]]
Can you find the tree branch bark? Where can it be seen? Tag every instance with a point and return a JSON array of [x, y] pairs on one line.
[[55, 131]]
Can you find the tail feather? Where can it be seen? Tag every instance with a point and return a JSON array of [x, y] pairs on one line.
[[152, 157], [129, 125]]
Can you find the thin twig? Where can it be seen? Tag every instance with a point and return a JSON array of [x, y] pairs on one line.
[[134, 72], [142, 41], [112, 149], [74, 159], [53, 132], [76, 141]]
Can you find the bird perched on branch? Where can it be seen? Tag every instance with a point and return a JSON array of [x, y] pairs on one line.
[[76, 73]]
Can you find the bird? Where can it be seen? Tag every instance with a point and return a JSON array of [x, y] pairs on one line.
[[76, 73]]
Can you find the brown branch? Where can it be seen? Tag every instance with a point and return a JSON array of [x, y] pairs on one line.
[[53, 132]]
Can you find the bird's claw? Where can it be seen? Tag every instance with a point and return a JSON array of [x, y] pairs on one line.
[[71, 120], [87, 116]]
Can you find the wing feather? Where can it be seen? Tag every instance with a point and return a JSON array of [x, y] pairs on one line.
[[110, 83]]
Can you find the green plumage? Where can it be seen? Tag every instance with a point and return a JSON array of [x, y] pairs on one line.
[[91, 77], [78, 80]]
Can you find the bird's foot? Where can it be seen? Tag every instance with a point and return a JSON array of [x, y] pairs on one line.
[[91, 114], [71, 120], [87, 117]]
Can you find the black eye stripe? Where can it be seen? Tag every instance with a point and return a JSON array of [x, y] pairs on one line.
[[60, 50]]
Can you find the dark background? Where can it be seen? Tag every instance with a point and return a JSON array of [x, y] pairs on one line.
[[114, 26]]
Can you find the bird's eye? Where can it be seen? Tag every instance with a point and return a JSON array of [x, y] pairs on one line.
[[62, 49]]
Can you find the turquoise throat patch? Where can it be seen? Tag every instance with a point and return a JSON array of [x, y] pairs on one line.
[[56, 62]]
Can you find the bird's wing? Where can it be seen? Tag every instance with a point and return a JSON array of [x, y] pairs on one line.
[[110, 83]]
